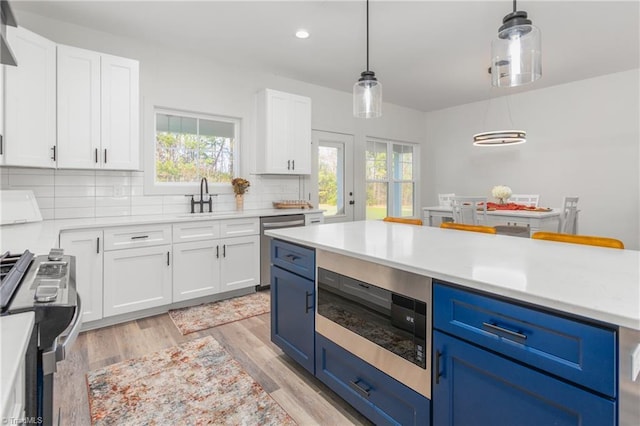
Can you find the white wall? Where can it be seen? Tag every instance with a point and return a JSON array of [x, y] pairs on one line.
[[175, 79], [583, 138]]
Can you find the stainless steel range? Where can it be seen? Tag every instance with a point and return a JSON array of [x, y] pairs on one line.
[[45, 285]]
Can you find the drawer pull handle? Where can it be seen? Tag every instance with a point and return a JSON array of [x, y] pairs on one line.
[[363, 391], [292, 257], [306, 302], [437, 367], [140, 237], [363, 285], [493, 328]]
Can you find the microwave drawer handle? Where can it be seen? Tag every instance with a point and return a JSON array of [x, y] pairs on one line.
[[501, 331], [362, 391]]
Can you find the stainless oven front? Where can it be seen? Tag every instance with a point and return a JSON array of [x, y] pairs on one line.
[[378, 313]]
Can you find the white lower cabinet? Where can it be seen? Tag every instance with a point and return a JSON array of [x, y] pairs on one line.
[[196, 269], [136, 279], [86, 246], [240, 267]]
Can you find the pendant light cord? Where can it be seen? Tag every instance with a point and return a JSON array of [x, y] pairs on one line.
[[368, 35], [514, 5]]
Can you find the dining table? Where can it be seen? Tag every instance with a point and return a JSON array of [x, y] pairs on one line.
[[535, 220]]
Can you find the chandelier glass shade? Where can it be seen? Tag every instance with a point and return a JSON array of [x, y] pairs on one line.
[[516, 57], [367, 91]]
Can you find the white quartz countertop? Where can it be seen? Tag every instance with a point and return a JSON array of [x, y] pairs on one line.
[[15, 331], [598, 283], [40, 237]]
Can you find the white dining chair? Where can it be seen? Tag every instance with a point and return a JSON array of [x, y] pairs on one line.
[[469, 210], [530, 200], [568, 216], [444, 200]]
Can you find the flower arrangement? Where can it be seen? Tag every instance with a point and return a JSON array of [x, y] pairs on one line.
[[501, 192], [240, 185]]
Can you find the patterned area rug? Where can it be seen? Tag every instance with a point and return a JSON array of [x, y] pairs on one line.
[[201, 317], [196, 383]]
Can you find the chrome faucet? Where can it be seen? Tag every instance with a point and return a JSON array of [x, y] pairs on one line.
[[204, 190]]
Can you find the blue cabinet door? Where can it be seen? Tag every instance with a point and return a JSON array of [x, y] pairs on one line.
[[293, 316], [475, 387]]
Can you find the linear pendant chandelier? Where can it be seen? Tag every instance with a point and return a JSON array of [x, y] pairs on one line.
[[500, 137], [367, 91], [516, 53]]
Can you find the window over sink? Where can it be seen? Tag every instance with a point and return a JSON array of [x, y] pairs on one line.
[[190, 146]]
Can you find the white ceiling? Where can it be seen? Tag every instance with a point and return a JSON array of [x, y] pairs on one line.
[[428, 55]]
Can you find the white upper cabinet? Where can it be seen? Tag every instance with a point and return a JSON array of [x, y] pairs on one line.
[[78, 108], [98, 110], [283, 133], [30, 101], [120, 119]]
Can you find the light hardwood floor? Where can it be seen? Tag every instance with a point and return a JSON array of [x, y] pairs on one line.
[[307, 400]]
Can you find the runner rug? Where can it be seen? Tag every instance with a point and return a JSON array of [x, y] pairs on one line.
[[201, 317], [196, 383]]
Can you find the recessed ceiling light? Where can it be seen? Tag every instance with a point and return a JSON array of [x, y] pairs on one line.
[[302, 34]]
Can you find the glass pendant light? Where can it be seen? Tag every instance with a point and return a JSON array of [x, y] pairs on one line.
[[515, 54], [367, 92]]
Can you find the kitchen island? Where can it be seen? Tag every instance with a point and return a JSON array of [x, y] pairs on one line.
[[597, 286]]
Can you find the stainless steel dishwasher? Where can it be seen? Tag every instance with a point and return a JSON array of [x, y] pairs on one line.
[[268, 223]]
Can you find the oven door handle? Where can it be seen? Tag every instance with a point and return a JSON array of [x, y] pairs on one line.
[[58, 351], [69, 339]]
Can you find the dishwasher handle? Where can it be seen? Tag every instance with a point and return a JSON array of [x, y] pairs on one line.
[[287, 224]]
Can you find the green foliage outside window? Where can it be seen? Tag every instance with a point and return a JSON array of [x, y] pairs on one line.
[[185, 157]]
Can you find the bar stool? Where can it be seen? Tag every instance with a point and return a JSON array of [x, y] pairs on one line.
[[407, 220], [579, 239], [465, 227]]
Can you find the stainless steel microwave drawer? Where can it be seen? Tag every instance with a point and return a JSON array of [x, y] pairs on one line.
[[570, 348]]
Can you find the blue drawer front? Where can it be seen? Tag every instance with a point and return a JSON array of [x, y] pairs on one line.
[[389, 402], [475, 387], [579, 352], [297, 259]]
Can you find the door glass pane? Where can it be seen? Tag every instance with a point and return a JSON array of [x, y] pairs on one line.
[[376, 160], [331, 179], [403, 199], [376, 200]]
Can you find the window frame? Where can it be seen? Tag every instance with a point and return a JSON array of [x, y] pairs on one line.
[[183, 188], [390, 180]]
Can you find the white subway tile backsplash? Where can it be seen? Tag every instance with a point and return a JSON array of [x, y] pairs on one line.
[[66, 213], [152, 200], [75, 180], [118, 179], [79, 202], [23, 181], [63, 194], [45, 202], [47, 214], [113, 211], [75, 191], [145, 210]]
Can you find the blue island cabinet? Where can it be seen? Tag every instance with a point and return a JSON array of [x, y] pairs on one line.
[[292, 301], [500, 363]]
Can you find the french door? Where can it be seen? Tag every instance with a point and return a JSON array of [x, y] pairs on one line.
[[332, 175]]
